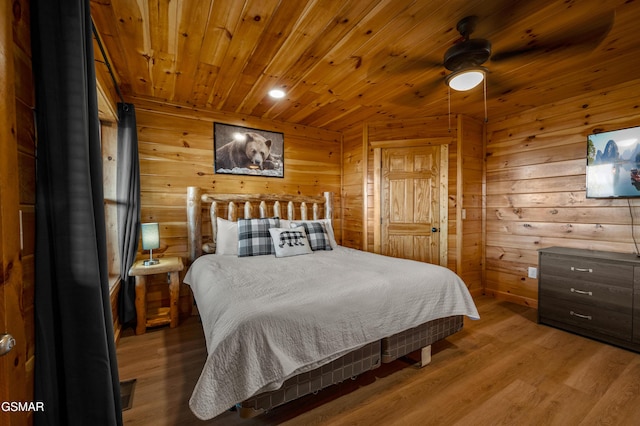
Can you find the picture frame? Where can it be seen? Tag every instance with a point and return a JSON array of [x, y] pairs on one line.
[[613, 164], [246, 151]]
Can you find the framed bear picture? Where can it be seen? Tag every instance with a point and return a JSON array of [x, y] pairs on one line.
[[245, 151]]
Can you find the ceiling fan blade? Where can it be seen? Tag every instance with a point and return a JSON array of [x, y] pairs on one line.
[[581, 38]]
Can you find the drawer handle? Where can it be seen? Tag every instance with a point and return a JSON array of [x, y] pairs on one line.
[[575, 314], [573, 268], [589, 293]]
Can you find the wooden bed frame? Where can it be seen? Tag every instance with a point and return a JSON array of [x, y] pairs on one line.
[[267, 205], [354, 363]]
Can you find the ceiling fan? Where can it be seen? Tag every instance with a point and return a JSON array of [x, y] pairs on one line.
[[478, 57], [465, 58]]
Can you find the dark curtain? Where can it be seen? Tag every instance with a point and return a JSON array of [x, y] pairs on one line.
[[76, 372], [128, 202]]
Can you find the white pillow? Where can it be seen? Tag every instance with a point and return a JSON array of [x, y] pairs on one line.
[[327, 226], [285, 223], [227, 237], [290, 241]]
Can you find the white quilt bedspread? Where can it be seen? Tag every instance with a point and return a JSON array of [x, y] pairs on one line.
[[266, 319]]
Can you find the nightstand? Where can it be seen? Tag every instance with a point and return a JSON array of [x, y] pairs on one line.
[[168, 265]]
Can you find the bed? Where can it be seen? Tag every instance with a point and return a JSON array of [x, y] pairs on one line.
[[281, 326]]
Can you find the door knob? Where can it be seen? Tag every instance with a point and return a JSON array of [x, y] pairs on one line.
[[434, 229], [7, 342]]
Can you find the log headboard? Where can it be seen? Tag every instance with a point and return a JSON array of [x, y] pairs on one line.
[[226, 206]]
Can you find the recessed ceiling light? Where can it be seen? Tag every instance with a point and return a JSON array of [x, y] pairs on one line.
[[276, 93]]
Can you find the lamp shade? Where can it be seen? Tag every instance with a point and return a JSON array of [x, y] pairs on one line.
[[150, 236], [465, 79]]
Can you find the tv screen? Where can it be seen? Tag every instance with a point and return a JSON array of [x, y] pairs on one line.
[[613, 164]]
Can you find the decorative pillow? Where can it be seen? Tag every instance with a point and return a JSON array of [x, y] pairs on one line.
[[327, 227], [290, 241], [317, 236], [285, 223], [254, 238], [227, 237]]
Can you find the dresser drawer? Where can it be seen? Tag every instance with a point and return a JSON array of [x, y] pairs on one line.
[[588, 317], [588, 270], [618, 298]]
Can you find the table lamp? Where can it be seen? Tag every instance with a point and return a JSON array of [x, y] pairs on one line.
[[150, 241]]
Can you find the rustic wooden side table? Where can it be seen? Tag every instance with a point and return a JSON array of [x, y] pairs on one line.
[[167, 265]]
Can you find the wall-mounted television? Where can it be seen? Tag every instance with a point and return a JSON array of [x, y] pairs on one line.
[[613, 164]]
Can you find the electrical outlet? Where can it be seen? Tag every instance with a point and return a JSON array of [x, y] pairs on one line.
[[533, 272]]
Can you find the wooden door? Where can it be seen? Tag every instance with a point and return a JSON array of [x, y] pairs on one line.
[[410, 213], [16, 299]]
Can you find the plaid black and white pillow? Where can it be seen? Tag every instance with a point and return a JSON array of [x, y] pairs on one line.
[[254, 238], [325, 222], [290, 241], [317, 235]]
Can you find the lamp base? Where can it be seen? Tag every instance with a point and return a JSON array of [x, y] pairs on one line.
[[151, 262]]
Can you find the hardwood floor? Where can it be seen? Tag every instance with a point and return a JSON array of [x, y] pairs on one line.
[[503, 369]]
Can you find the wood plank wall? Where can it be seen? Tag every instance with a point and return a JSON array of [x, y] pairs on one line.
[[25, 132], [465, 179], [470, 220], [353, 169], [176, 151], [536, 187], [18, 195]]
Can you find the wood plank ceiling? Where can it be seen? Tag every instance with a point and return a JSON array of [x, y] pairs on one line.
[[342, 62]]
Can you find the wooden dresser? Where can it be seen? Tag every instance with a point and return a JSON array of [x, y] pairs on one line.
[[592, 293]]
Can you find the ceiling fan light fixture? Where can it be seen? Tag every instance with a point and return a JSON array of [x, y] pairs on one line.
[[466, 78]]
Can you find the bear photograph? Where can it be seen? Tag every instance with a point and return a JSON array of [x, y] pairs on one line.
[[244, 151]]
